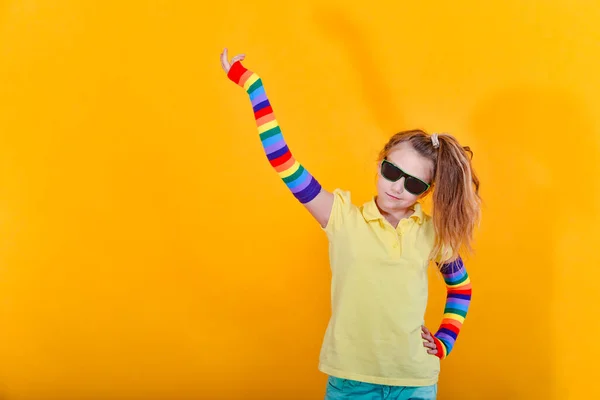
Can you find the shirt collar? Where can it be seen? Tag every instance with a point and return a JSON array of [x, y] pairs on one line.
[[371, 212]]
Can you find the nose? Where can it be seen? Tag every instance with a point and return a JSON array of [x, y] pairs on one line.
[[398, 186]]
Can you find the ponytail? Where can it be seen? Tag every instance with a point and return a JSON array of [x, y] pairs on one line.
[[456, 201]]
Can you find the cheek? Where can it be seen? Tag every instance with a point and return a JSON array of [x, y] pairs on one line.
[[410, 198], [382, 184]]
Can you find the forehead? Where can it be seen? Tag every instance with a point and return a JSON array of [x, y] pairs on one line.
[[411, 162]]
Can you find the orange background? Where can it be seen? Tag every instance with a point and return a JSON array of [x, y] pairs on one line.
[[140, 259]]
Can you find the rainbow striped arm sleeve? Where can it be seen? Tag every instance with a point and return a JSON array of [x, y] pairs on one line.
[[301, 183], [458, 298]]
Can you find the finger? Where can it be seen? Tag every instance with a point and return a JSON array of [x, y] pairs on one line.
[[429, 344], [432, 351], [237, 58], [224, 62], [425, 329]]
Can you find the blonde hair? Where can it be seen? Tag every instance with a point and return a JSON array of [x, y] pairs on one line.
[[456, 200]]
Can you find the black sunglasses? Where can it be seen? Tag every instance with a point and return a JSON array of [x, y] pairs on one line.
[[412, 184]]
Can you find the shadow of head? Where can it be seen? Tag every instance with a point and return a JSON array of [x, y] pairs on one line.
[[538, 146]]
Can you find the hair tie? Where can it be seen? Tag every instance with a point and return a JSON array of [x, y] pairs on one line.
[[435, 140]]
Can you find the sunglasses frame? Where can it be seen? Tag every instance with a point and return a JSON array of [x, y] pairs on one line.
[[403, 175]]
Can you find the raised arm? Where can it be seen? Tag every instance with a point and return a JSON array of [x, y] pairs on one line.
[[299, 181]]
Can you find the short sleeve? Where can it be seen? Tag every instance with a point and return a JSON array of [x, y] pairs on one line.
[[340, 211]]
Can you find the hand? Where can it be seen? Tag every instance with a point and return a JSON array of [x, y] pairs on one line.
[[428, 343], [225, 60]]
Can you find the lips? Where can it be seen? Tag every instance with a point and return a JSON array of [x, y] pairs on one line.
[[393, 197]]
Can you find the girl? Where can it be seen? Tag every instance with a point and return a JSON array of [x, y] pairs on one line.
[[375, 345]]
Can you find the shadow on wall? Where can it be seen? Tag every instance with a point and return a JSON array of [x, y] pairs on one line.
[[376, 93], [535, 141]]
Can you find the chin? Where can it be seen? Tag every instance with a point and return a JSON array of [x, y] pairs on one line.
[[390, 204], [398, 205]]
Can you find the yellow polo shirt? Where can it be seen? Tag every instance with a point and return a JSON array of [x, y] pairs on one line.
[[378, 296]]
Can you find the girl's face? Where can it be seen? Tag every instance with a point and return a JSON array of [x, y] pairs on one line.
[[392, 197]]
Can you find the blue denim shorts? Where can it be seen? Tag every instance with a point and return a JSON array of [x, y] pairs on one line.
[[338, 389]]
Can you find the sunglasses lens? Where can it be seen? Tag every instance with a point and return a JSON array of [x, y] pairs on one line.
[[390, 172], [414, 186]]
